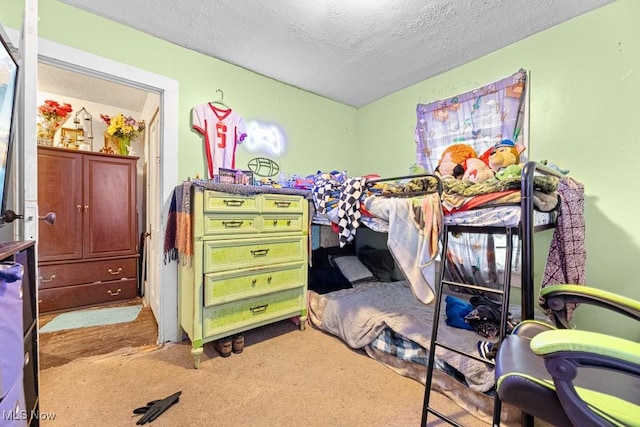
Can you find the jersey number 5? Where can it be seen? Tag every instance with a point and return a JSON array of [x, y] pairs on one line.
[[221, 132]]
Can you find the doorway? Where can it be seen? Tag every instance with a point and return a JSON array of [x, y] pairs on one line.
[[61, 56]]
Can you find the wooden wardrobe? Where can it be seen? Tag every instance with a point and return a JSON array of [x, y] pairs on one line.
[[90, 254]]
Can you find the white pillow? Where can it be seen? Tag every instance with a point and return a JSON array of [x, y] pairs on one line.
[[354, 270]]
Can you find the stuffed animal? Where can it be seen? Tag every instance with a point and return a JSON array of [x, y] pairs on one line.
[[501, 155], [555, 167], [477, 171], [509, 173], [416, 169], [453, 160]]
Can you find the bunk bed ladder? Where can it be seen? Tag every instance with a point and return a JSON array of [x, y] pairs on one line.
[[435, 343], [525, 233]]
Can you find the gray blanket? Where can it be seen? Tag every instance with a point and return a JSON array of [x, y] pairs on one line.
[[360, 314]]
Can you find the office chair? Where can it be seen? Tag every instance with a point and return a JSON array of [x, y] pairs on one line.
[[570, 377]]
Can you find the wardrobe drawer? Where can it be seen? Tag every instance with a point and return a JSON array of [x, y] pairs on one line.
[[282, 203], [88, 294], [218, 224], [223, 287], [220, 255], [253, 311], [224, 202], [56, 275], [274, 223]]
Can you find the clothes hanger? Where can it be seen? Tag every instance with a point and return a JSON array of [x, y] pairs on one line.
[[221, 100]]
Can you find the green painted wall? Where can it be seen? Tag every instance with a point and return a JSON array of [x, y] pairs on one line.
[[583, 82], [584, 87], [316, 128]]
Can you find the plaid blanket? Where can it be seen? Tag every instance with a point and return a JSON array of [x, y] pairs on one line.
[[403, 348]]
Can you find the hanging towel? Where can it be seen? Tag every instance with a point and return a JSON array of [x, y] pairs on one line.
[[349, 209], [178, 243], [322, 193], [567, 254], [411, 239], [170, 251]]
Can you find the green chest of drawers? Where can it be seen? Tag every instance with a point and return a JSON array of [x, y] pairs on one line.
[[249, 267]]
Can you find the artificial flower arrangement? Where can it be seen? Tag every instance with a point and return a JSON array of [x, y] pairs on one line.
[[53, 115], [122, 128]]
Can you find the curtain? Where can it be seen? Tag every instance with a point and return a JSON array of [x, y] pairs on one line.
[[480, 118]]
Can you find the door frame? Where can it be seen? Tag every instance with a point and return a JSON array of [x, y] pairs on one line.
[[67, 57], [149, 279]]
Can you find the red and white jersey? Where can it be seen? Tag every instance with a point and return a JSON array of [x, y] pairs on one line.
[[223, 129]]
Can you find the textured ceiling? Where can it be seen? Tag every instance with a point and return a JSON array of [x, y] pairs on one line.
[[81, 86], [351, 51]]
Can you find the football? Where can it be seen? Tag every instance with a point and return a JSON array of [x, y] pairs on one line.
[[262, 166]]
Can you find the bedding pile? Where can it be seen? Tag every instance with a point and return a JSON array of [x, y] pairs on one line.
[[361, 314], [495, 202], [391, 326]]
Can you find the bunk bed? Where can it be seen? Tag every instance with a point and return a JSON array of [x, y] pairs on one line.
[[391, 323]]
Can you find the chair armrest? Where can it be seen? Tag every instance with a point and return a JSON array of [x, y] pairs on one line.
[[583, 399], [556, 297], [563, 340]]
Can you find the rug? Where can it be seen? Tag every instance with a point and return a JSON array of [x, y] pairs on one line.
[[94, 317]]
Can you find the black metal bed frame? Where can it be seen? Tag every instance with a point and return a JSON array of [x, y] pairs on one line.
[[525, 230]]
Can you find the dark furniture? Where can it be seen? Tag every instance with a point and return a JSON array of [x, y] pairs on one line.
[[27, 360], [90, 254]]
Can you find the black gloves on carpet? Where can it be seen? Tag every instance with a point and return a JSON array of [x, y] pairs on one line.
[[155, 408]]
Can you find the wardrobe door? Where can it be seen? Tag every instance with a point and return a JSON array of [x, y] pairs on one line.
[[60, 191], [110, 222]]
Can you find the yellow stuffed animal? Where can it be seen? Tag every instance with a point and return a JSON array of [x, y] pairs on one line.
[[502, 155]]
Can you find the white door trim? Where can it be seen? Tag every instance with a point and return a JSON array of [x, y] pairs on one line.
[[150, 281], [88, 63]]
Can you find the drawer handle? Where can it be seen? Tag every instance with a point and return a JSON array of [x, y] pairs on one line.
[[27, 359], [259, 309], [115, 273], [113, 294], [275, 222], [260, 252], [232, 224], [50, 279], [269, 279], [283, 204], [233, 202], [253, 282]]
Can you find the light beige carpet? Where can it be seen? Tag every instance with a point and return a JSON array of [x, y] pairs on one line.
[[284, 377]]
